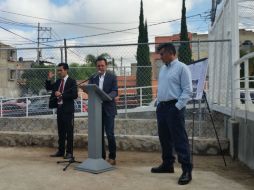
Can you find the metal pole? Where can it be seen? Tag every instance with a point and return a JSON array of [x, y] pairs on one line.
[[65, 51], [125, 92], [61, 50], [81, 102], [199, 101], [38, 45], [198, 49], [141, 93], [1, 108], [121, 72], [26, 107]]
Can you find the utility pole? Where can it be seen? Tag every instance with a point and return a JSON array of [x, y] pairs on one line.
[[61, 50], [65, 51], [44, 33]]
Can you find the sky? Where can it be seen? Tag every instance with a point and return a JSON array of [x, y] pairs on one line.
[[85, 22]]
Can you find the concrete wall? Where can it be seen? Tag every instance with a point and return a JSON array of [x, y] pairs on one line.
[[131, 134], [241, 137], [246, 142]]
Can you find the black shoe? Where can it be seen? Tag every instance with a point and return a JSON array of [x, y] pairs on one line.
[[185, 178], [57, 154], [163, 169], [68, 156]]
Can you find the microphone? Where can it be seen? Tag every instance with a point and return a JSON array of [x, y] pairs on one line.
[[96, 74]]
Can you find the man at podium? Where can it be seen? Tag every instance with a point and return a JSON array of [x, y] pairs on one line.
[[107, 82]]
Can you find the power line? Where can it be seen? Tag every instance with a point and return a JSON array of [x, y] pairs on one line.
[[12, 22], [100, 34], [23, 37], [124, 30], [75, 24], [73, 51], [18, 35]]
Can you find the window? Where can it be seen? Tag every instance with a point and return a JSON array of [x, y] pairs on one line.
[[15, 74], [11, 55]]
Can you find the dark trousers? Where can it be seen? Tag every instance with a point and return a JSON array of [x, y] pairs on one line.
[[65, 131], [108, 125], [172, 135]]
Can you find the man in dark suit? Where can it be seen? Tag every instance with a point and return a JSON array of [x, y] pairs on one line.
[[64, 91], [108, 83]]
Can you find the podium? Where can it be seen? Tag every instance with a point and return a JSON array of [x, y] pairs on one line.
[[94, 163]]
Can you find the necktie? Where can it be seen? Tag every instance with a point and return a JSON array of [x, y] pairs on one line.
[[61, 90], [61, 86]]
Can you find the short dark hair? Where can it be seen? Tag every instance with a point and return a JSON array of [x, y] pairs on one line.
[[64, 65], [101, 58], [168, 47]]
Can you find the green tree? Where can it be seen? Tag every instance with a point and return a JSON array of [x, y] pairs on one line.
[[91, 59], [184, 49], [81, 72], [144, 70], [34, 78]]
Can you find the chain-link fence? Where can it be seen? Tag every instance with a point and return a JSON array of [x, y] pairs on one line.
[[23, 81]]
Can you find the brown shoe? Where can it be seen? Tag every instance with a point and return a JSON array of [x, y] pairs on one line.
[[112, 162]]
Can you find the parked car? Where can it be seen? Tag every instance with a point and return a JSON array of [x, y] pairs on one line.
[[12, 109], [131, 101], [39, 107], [77, 104]]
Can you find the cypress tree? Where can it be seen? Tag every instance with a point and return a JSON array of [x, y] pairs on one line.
[[184, 49], [144, 71]]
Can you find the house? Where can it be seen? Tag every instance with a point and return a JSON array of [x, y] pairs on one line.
[[11, 71]]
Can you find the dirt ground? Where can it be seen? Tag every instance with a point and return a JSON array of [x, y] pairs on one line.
[[32, 169]]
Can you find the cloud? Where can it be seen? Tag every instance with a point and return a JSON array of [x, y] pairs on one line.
[[107, 16], [124, 12]]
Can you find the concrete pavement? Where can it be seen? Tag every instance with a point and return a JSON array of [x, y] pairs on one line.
[[32, 169]]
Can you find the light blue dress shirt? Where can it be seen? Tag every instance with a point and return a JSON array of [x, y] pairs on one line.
[[175, 83]]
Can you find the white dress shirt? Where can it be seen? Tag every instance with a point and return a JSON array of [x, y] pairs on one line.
[[101, 80]]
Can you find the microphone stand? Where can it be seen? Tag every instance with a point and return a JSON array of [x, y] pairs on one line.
[[72, 159]]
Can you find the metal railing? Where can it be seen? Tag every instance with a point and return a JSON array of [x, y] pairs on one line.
[[243, 93], [38, 105]]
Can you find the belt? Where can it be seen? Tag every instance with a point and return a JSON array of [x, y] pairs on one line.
[[59, 105], [168, 102]]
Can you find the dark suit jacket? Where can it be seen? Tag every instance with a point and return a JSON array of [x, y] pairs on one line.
[[109, 87], [69, 94]]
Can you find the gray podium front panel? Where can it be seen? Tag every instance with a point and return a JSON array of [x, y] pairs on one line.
[[95, 163]]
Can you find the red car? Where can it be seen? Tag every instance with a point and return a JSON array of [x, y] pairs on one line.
[[12, 110]]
